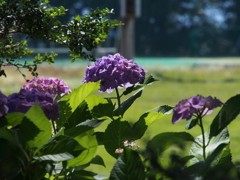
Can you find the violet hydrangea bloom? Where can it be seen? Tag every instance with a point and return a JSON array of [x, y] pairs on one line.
[[194, 106], [114, 71], [25, 99], [54, 86], [3, 104]]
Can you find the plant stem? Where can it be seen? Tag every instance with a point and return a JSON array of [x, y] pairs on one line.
[[119, 101], [53, 126], [203, 138]]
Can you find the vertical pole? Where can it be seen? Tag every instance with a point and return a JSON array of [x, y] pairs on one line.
[[127, 32], [127, 46]]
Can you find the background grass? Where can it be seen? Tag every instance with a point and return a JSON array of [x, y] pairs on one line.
[[173, 86]]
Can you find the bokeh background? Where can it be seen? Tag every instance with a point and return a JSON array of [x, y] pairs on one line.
[[166, 28]]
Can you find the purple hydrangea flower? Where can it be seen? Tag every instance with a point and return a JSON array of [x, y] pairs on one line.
[[54, 86], [197, 105], [114, 71], [25, 99], [3, 104]]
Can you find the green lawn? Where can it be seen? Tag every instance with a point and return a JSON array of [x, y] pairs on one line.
[[176, 85], [173, 86]]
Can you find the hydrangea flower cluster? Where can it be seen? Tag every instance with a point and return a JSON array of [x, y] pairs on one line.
[[43, 91], [54, 86], [114, 71], [25, 99], [3, 104], [194, 106]]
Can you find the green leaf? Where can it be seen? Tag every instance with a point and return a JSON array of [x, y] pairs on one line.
[[98, 160], [221, 156], [213, 145], [226, 115], [80, 115], [89, 142], [100, 137], [12, 157], [148, 80], [165, 109], [191, 123], [80, 94], [65, 112], [14, 118], [85, 175], [83, 127], [55, 157], [217, 154], [128, 166], [62, 144], [99, 106], [7, 135], [127, 103], [35, 129], [163, 141], [145, 120], [115, 134]]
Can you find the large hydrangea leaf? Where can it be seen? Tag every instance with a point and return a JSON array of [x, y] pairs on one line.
[[128, 166], [35, 131], [226, 115]]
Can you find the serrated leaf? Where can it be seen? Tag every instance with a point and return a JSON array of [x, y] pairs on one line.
[[55, 157], [128, 166], [115, 134], [80, 114], [65, 112], [80, 94], [14, 118], [89, 142], [62, 144], [145, 120], [214, 149], [83, 127], [35, 129], [226, 115], [99, 106]]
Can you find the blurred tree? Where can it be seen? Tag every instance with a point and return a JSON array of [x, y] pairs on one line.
[[40, 20], [233, 33], [188, 28], [152, 37], [172, 27], [84, 7]]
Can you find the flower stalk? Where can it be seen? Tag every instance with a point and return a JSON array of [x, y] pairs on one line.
[[203, 138], [119, 102], [54, 127], [197, 106]]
